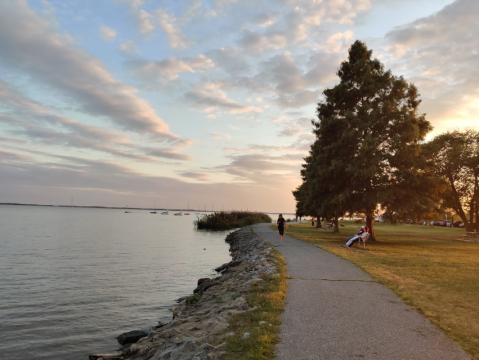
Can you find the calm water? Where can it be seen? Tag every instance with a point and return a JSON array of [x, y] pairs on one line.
[[73, 279]]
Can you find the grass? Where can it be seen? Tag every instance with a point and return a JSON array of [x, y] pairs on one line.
[[230, 220], [263, 321], [426, 267]]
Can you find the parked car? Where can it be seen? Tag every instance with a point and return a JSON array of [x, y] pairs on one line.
[[457, 224], [442, 223], [461, 225]]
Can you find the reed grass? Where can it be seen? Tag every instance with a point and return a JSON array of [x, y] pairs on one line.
[[230, 220]]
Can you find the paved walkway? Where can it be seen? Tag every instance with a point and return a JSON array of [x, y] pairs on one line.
[[335, 311]]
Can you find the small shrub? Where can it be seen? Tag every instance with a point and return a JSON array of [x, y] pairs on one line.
[[194, 298]]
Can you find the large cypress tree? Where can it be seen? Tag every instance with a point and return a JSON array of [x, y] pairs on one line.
[[368, 140]]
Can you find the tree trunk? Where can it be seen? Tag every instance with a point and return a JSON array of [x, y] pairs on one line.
[[336, 226], [476, 199], [459, 210], [318, 222], [370, 225]]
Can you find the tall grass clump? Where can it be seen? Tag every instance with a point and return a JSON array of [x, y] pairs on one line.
[[230, 220]]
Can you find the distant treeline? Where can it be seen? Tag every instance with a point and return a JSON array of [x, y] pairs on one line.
[[230, 220]]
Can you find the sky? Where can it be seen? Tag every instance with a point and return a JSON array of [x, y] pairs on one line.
[[203, 103]]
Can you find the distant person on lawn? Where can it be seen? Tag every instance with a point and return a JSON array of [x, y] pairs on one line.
[[312, 221], [363, 233], [281, 225]]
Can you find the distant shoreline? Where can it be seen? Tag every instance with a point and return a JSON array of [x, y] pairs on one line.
[[133, 208]]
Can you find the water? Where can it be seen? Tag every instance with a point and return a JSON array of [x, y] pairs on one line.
[[72, 279]]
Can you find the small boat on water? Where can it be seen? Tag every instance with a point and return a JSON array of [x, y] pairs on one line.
[[180, 214], [128, 212], [166, 213], [153, 212], [187, 214]]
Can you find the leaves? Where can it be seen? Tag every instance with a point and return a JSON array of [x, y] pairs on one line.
[[367, 151]]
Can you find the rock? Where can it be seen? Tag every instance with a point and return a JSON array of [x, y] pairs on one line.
[[202, 280], [131, 337], [196, 326], [221, 268], [181, 299], [205, 286], [182, 350], [177, 311], [207, 347]]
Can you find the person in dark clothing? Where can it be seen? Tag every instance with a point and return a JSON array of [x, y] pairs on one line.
[[312, 221], [281, 225]]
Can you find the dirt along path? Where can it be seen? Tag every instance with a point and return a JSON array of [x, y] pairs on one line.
[[336, 311]]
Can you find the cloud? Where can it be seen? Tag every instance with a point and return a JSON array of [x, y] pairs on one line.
[[143, 19], [107, 33], [296, 127], [298, 99], [8, 157], [442, 64], [339, 42], [267, 170], [281, 118], [256, 42], [93, 182], [167, 70], [288, 81], [300, 146], [221, 136], [29, 119], [169, 23], [195, 175], [211, 96], [129, 48], [265, 20], [30, 44], [231, 59]]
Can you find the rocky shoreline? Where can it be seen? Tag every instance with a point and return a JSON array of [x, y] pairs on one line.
[[200, 323]]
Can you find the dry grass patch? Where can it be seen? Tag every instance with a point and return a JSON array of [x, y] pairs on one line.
[[427, 267], [263, 321]]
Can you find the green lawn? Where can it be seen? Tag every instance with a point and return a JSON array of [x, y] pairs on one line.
[[427, 267]]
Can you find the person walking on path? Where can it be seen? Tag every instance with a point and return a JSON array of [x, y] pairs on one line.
[[281, 225], [312, 221]]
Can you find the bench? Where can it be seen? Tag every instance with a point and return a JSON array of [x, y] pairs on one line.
[[363, 241]]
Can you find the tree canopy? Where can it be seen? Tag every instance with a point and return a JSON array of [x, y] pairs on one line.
[[456, 159], [368, 143]]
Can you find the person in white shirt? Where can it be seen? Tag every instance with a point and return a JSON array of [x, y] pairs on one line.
[[362, 234]]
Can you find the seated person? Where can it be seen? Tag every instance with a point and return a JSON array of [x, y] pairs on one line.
[[362, 234]]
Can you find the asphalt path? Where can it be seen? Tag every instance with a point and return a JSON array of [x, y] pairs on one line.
[[336, 311]]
